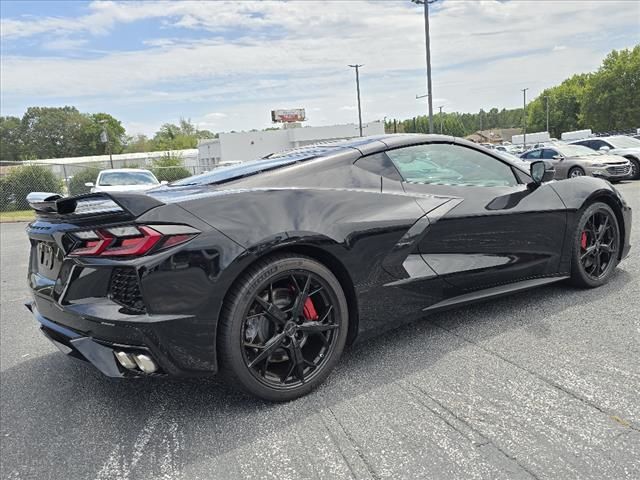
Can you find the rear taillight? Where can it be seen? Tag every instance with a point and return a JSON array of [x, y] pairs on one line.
[[129, 240]]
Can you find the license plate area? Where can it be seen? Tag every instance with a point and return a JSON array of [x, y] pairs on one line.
[[48, 259]]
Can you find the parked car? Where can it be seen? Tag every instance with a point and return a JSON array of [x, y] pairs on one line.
[[264, 271], [124, 180], [625, 146], [577, 161]]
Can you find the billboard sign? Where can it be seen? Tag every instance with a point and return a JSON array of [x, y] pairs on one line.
[[288, 116]]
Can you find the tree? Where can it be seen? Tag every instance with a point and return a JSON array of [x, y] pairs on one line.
[[178, 137], [611, 98], [77, 182], [169, 168], [10, 139], [565, 102], [453, 125], [49, 132], [97, 122], [139, 143], [23, 180]]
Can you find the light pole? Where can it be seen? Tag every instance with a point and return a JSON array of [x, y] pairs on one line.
[[547, 101], [524, 116], [104, 138], [441, 120], [357, 67], [427, 38]]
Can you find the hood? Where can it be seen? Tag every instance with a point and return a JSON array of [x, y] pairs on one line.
[[604, 158], [625, 151]]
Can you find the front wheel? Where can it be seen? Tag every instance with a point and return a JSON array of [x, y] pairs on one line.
[[283, 327], [634, 174], [576, 172], [595, 246]]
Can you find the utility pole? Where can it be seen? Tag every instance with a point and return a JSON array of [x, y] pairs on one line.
[[441, 120], [524, 115], [547, 101], [427, 38], [357, 67], [104, 138], [426, 95]]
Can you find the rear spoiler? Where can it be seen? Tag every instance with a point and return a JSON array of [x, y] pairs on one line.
[[134, 204]]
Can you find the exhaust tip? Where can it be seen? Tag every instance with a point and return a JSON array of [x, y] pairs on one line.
[[126, 360], [145, 363]]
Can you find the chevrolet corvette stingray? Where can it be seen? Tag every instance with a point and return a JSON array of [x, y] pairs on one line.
[[265, 270]]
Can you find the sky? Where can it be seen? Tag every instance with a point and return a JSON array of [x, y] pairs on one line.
[[225, 65]]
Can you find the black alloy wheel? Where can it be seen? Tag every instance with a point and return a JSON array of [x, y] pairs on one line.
[[285, 327], [596, 248]]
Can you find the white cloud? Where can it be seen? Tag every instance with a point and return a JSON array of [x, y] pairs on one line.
[[64, 44], [297, 52]]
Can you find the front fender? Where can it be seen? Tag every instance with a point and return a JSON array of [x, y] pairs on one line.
[[577, 193]]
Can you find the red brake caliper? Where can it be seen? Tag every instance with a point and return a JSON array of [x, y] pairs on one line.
[[309, 310], [583, 240]]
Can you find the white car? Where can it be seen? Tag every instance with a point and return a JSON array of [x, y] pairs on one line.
[[124, 180], [624, 146]]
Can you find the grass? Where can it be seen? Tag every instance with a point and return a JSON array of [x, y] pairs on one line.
[[17, 216]]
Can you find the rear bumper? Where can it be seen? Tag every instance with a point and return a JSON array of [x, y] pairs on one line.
[[97, 341]]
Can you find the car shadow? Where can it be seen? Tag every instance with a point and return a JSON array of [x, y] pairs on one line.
[[61, 417]]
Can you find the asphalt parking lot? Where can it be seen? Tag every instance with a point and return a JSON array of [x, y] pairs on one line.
[[542, 384]]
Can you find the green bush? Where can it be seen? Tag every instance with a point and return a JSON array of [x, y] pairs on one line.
[[171, 174], [23, 180], [169, 168], [77, 182]]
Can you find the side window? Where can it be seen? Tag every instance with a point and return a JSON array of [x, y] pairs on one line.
[[548, 154], [380, 164], [533, 155], [598, 144], [446, 164]]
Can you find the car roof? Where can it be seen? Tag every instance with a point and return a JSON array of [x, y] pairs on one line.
[[125, 170]]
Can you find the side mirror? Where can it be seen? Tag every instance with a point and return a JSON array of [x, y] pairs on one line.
[[163, 182], [558, 157], [604, 149], [541, 172], [89, 184]]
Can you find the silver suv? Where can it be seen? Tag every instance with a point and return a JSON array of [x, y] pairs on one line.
[[576, 161]]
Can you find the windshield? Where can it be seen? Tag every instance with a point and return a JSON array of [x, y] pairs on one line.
[[623, 142], [575, 150], [112, 179]]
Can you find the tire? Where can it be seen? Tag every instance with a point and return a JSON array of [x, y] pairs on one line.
[[575, 172], [590, 270], [267, 352], [635, 169]]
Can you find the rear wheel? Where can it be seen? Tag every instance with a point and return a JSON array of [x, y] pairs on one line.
[[575, 172], [595, 246], [283, 327]]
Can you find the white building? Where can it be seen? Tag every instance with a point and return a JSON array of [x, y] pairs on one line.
[[243, 146]]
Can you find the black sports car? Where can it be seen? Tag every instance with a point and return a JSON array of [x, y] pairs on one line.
[[265, 270]]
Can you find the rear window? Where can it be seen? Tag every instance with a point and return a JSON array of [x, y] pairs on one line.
[[112, 179], [253, 167]]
